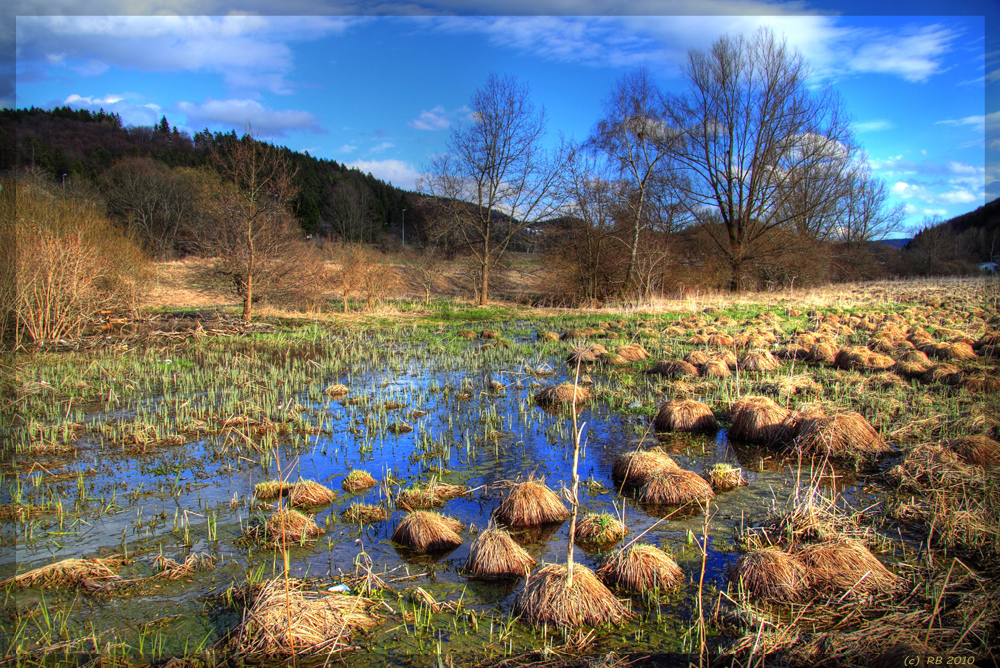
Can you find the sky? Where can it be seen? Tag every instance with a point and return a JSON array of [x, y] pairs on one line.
[[381, 87]]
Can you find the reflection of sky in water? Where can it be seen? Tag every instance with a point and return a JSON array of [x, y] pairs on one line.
[[454, 434]]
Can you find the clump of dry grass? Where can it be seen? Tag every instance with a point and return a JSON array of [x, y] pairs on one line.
[[673, 369], [771, 573], [286, 620], [724, 477], [758, 420], [633, 468], [285, 526], [494, 554], [860, 358], [759, 361], [530, 503], [946, 374], [674, 487], [685, 415], [840, 565], [571, 334], [785, 386], [727, 357], [612, 359], [169, 569], [585, 355], [426, 532], [951, 351], [845, 436], [720, 341], [562, 395], [980, 450], [310, 494], [90, 574], [336, 391], [432, 495], [549, 336], [547, 599], [913, 363], [357, 481], [696, 357], [269, 490], [715, 369], [363, 513], [641, 569], [792, 351], [599, 529], [822, 352]]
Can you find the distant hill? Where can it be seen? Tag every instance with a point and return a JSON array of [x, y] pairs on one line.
[[971, 237], [85, 144], [896, 243]]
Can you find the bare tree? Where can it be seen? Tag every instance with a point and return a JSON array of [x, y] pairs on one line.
[[753, 136], [150, 199], [864, 211], [352, 212], [636, 140], [425, 269], [495, 180], [249, 224]]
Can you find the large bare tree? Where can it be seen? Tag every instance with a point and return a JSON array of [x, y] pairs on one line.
[[249, 225], [496, 179], [754, 135], [634, 138]]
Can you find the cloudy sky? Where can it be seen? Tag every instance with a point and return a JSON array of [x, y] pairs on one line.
[[382, 90]]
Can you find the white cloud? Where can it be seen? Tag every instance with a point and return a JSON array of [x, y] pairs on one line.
[[347, 148], [236, 114], [435, 119], [129, 106], [397, 172], [872, 126], [249, 52], [381, 147], [924, 194], [977, 123]]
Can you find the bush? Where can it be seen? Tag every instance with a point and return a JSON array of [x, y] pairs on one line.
[[62, 260]]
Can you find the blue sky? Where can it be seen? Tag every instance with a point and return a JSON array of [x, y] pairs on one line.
[[382, 92]]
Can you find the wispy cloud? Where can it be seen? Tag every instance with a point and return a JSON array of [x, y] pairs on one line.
[[397, 172], [438, 118], [238, 113], [872, 126], [977, 123], [132, 108], [249, 52], [382, 146]]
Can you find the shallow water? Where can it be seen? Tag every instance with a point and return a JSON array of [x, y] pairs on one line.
[[163, 501]]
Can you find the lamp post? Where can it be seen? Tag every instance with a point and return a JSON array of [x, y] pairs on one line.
[[64, 181], [403, 226]]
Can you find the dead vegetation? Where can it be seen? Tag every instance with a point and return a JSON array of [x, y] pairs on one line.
[[530, 503], [685, 415], [548, 599], [426, 532], [641, 569], [494, 554]]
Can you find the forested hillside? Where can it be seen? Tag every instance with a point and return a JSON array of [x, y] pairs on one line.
[[332, 198]]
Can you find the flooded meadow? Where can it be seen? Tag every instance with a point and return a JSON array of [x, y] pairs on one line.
[[146, 473]]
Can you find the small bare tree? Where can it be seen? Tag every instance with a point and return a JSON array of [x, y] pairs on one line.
[[495, 181], [249, 225], [424, 270], [636, 141]]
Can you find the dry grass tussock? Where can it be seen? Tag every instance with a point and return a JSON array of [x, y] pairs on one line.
[[547, 599], [432, 495], [566, 394], [861, 359], [840, 565], [494, 554], [980, 450], [530, 503], [358, 481], [640, 569], [693, 416], [843, 436], [724, 477], [310, 494], [771, 573], [169, 569], [673, 369], [674, 487], [90, 574], [757, 420], [269, 490], [287, 619], [634, 352], [426, 532], [362, 513], [633, 468], [759, 361], [599, 529], [284, 527]]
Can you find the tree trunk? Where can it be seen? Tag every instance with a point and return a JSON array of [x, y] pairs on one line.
[[247, 298], [484, 285]]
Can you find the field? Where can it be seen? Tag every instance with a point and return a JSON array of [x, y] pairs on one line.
[[176, 491]]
